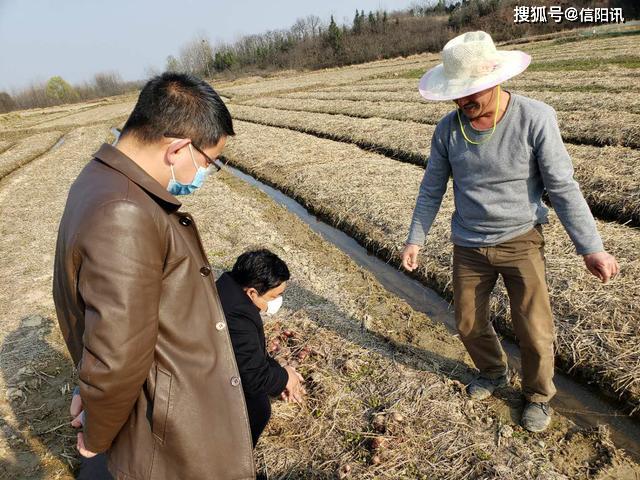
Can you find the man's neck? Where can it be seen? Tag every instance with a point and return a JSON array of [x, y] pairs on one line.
[[146, 158], [485, 121]]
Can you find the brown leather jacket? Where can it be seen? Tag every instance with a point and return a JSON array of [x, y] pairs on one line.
[[138, 307]]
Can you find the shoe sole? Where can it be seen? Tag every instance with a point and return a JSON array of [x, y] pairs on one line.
[[535, 429]]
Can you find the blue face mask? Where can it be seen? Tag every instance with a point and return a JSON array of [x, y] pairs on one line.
[[177, 188]]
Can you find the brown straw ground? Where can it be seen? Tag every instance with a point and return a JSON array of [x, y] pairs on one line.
[[618, 102], [609, 176], [291, 81], [615, 79], [25, 150], [376, 409], [372, 198], [578, 126]]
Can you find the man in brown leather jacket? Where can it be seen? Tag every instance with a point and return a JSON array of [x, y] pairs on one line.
[[136, 298]]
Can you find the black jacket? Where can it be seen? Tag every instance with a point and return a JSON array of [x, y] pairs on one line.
[[260, 373]]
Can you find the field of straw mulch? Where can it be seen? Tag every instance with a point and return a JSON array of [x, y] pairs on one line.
[[372, 198], [25, 150], [316, 79], [35, 371], [614, 80], [22, 119], [374, 410], [369, 416], [629, 102], [608, 176], [577, 126], [603, 48]]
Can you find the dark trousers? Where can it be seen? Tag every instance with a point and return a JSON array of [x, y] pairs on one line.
[[94, 468], [259, 410]]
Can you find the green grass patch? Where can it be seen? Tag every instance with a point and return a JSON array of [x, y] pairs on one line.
[[591, 36], [414, 73], [584, 64], [573, 88]]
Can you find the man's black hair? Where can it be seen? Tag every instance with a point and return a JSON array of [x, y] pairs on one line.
[[260, 269], [182, 105]]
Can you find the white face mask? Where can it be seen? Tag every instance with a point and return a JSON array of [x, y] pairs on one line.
[[274, 305]]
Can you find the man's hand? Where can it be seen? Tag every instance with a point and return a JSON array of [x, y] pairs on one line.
[[76, 410], [77, 414], [294, 391], [410, 257], [82, 449], [602, 265]]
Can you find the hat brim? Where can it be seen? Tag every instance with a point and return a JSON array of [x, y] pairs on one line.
[[434, 85]]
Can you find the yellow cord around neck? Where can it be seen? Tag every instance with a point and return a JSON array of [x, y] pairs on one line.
[[495, 121]]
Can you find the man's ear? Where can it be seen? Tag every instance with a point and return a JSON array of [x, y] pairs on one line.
[[173, 150], [252, 293]]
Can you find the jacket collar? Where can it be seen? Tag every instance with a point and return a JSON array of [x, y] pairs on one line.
[[239, 293], [117, 160]]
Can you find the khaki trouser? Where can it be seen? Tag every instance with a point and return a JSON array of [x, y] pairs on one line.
[[521, 263]]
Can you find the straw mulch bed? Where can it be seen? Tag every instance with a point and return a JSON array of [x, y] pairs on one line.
[[101, 113], [372, 198], [624, 102], [578, 126], [409, 141], [615, 80], [25, 150], [608, 176], [22, 119], [323, 78]]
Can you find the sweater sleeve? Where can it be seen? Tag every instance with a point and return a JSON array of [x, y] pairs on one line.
[[259, 373], [432, 188], [566, 198]]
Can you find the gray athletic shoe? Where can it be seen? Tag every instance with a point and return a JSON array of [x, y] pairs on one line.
[[483, 387], [536, 416]]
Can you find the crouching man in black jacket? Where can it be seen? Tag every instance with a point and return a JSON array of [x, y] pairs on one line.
[[254, 285]]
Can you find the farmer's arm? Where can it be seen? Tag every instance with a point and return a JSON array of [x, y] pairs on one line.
[[566, 198], [432, 189], [119, 282]]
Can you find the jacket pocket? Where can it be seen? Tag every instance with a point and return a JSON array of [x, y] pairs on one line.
[[161, 400]]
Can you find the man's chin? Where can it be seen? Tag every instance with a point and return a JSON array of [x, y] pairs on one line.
[[472, 115]]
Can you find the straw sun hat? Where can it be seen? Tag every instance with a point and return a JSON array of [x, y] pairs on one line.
[[470, 64]]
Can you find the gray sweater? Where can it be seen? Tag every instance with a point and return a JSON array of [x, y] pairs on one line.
[[498, 185]]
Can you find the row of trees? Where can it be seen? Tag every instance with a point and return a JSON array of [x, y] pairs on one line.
[[57, 91], [311, 43]]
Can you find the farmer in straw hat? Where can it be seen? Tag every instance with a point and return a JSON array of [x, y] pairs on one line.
[[502, 151]]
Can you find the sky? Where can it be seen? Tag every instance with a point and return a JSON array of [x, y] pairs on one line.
[[78, 38]]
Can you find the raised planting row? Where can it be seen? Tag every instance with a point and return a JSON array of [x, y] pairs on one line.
[[614, 80], [25, 150], [609, 176], [619, 102], [578, 126]]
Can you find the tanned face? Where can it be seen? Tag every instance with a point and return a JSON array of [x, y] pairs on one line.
[[478, 104]]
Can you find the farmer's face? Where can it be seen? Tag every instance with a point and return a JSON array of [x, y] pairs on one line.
[[478, 104]]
